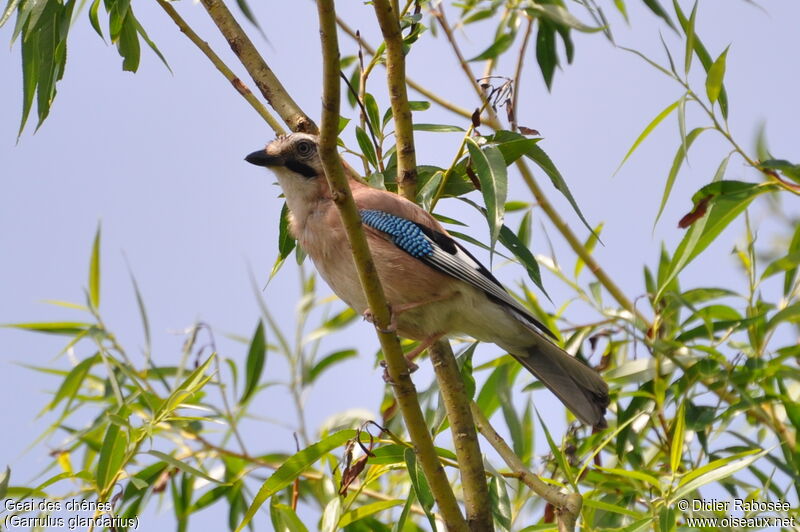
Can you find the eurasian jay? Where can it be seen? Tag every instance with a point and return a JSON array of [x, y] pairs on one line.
[[434, 286]]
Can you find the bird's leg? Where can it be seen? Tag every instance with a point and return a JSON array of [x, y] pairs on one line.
[[412, 366], [395, 311]]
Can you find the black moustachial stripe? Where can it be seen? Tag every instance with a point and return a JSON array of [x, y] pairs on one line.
[[300, 168]]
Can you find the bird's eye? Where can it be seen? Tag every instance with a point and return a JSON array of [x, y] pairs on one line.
[[304, 148]]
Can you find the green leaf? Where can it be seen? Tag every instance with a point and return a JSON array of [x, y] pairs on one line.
[[284, 518], [678, 437], [647, 130], [559, 15], [5, 476], [500, 501], [538, 155], [420, 486], [94, 19], [688, 29], [703, 55], [560, 458], [790, 170], [723, 201], [438, 128], [112, 454], [788, 314], [715, 471], [292, 468], [372, 111], [286, 242], [491, 169], [366, 146], [367, 510], [716, 73], [677, 162], [500, 45], [94, 271], [592, 502], [72, 382], [523, 254], [67, 328], [327, 362], [128, 43], [656, 8], [546, 53], [183, 466], [256, 358]]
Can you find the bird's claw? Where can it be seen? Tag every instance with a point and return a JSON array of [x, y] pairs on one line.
[[412, 367], [392, 328]]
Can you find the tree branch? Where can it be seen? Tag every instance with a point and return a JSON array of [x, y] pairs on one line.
[[223, 68], [465, 438], [396, 79], [262, 75], [568, 505], [397, 367]]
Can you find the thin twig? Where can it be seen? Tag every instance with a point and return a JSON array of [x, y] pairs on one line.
[[568, 505], [397, 367], [518, 74], [223, 68], [257, 67]]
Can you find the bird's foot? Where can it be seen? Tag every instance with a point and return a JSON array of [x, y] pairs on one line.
[[412, 367], [392, 327]]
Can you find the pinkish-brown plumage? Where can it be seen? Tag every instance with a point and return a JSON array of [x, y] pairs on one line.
[[453, 296]]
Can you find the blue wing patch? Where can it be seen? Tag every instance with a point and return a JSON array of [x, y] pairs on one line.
[[405, 234], [444, 254]]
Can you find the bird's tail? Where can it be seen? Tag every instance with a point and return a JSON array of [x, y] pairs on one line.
[[578, 386]]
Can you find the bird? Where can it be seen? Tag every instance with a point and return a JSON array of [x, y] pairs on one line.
[[434, 286]]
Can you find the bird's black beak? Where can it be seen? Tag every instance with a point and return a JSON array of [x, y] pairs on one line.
[[262, 158]]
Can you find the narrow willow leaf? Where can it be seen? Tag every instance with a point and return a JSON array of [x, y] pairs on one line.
[[589, 246], [183, 466], [284, 518], [523, 254], [150, 43], [723, 202], [366, 146], [647, 130], [688, 29], [500, 45], [365, 511], [491, 169], [94, 19], [560, 16], [656, 8], [327, 362], [128, 44], [788, 314], [438, 128], [592, 502], [560, 458], [538, 155], [67, 328], [286, 242], [94, 272], [636, 475], [715, 76], [400, 524], [715, 471], [677, 162], [291, 469], [546, 52], [373, 115], [678, 436], [420, 486], [256, 358], [4, 478], [704, 56], [112, 454], [72, 382]]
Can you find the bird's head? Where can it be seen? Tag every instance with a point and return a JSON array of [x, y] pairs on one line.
[[295, 161]]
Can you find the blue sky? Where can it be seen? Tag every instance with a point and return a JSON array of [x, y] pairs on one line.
[[157, 159]]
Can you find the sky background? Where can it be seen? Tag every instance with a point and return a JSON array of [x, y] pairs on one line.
[[157, 159]]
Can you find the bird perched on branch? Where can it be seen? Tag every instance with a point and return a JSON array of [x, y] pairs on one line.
[[434, 286]]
